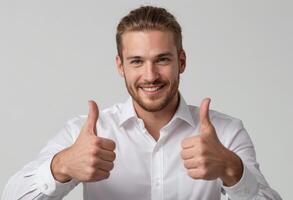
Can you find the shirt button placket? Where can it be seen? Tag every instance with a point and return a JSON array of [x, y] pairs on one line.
[[157, 173]]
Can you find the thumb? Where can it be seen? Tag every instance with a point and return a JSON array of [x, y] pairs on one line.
[[93, 116], [204, 117]]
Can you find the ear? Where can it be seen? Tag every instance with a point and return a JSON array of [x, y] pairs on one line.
[[119, 65], [182, 61]]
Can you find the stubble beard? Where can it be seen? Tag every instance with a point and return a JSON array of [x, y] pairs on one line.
[[166, 99]]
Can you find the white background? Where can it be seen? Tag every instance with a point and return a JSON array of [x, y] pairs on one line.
[[55, 55]]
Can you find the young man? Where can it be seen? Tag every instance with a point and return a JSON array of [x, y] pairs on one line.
[[153, 146]]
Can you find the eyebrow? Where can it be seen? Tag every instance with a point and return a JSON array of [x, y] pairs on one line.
[[165, 55], [133, 57], [158, 56]]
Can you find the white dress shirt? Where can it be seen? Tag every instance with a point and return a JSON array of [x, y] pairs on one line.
[[145, 169]]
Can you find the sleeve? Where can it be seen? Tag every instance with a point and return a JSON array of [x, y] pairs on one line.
[[252, 184], [35, 180]]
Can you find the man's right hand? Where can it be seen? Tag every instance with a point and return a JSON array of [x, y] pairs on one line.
[[90, 158]]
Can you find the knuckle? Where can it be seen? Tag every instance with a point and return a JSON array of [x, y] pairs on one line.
[[91, 171], [98, 161], [93, 161], [95, 150], [204, 173], [202, 151], [203, 162], [97, 141]]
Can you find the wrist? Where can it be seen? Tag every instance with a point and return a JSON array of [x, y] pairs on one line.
[[233, 169], [59, 169]]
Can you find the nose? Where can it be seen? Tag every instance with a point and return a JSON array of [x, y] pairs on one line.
[[151, 72]]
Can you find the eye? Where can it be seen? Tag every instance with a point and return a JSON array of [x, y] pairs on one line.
[[163, 60], [136, 62]]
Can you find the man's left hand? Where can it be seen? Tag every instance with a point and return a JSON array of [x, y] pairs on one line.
[[205, 157]]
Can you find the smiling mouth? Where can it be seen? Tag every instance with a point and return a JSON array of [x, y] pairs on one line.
[[152, 89]]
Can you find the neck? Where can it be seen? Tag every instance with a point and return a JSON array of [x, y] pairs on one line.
[[154, 121]]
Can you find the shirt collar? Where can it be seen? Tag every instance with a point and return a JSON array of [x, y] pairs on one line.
[[183, 112], [127, 111]]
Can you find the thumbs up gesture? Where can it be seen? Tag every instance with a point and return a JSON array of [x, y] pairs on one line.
[[90, 158], [205, 157]]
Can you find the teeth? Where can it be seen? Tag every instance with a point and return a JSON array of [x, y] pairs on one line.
[[151, 89]]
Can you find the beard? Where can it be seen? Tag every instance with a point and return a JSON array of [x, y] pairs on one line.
[[155, 103]]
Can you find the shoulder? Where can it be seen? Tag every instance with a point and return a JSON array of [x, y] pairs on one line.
[[107, 114], [227, 127], [224, 124], [215, 116], [108, 118]]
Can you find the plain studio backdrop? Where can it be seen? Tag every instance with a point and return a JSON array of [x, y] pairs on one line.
[[55, 55]]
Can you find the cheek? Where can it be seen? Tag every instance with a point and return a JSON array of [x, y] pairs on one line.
[[131, 77], [171, 75]]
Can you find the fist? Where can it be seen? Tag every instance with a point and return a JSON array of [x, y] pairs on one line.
[[90, 158], [205, 157]]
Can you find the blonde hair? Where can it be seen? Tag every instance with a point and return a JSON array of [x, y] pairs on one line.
[[149, 18]]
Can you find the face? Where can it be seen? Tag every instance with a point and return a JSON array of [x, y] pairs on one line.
[[151, 68]]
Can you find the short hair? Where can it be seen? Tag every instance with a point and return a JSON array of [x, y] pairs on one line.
[[149, 18]]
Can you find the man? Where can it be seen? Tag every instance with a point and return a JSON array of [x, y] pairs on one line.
[[153, 146]]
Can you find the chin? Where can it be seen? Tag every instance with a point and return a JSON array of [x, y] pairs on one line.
[[152, 105]]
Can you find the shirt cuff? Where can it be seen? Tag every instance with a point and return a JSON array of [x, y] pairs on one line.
[[48, 185], [246, 187]]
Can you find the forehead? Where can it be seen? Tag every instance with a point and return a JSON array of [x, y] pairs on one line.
[[147, 43]]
